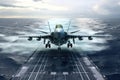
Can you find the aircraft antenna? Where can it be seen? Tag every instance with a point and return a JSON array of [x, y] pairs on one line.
[[69, 26], [49, 26]]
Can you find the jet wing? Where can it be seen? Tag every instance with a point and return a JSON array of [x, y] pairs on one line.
[[90, 37], [44, 32], [38, 37], [35, 36]]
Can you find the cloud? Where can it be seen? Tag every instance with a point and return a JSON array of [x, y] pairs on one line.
[[108, 7], [31, 4], [57, 8], [10, 5], [29, 7], [37, 0], [99, 10], [7, 3]]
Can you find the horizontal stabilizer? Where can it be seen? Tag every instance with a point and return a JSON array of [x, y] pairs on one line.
[[44, 32], [74, 31]]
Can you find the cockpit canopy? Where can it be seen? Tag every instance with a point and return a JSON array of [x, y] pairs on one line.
[[59, 26]]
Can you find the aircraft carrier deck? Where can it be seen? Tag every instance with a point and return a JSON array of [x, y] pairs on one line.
[[58, 65]]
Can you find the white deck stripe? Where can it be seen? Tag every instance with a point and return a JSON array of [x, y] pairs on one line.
[[35, 67], [39, 68], [22, 71], [83, 68], [77, 67]]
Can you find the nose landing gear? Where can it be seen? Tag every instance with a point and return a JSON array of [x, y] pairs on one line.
[[59, 48]]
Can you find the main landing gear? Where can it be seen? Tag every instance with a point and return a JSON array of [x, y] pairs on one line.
[[69, 44], [48, 45]]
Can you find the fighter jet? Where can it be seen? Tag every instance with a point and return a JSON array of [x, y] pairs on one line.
[[59, 37]]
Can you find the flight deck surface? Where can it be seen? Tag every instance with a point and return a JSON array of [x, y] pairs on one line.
[[58, 65]]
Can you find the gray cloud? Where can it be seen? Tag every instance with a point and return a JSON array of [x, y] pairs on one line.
[[10, 5], [58, 8], [113, 7], [108, 8], [7, 2], [37, 0]]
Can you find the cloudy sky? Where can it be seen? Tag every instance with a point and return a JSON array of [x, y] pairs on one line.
[[59, 8]]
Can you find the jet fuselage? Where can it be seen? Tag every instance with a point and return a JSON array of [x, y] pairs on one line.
[[59, 36]]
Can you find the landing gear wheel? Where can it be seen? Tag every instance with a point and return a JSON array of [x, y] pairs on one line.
[[47, 45], [69, 45]]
